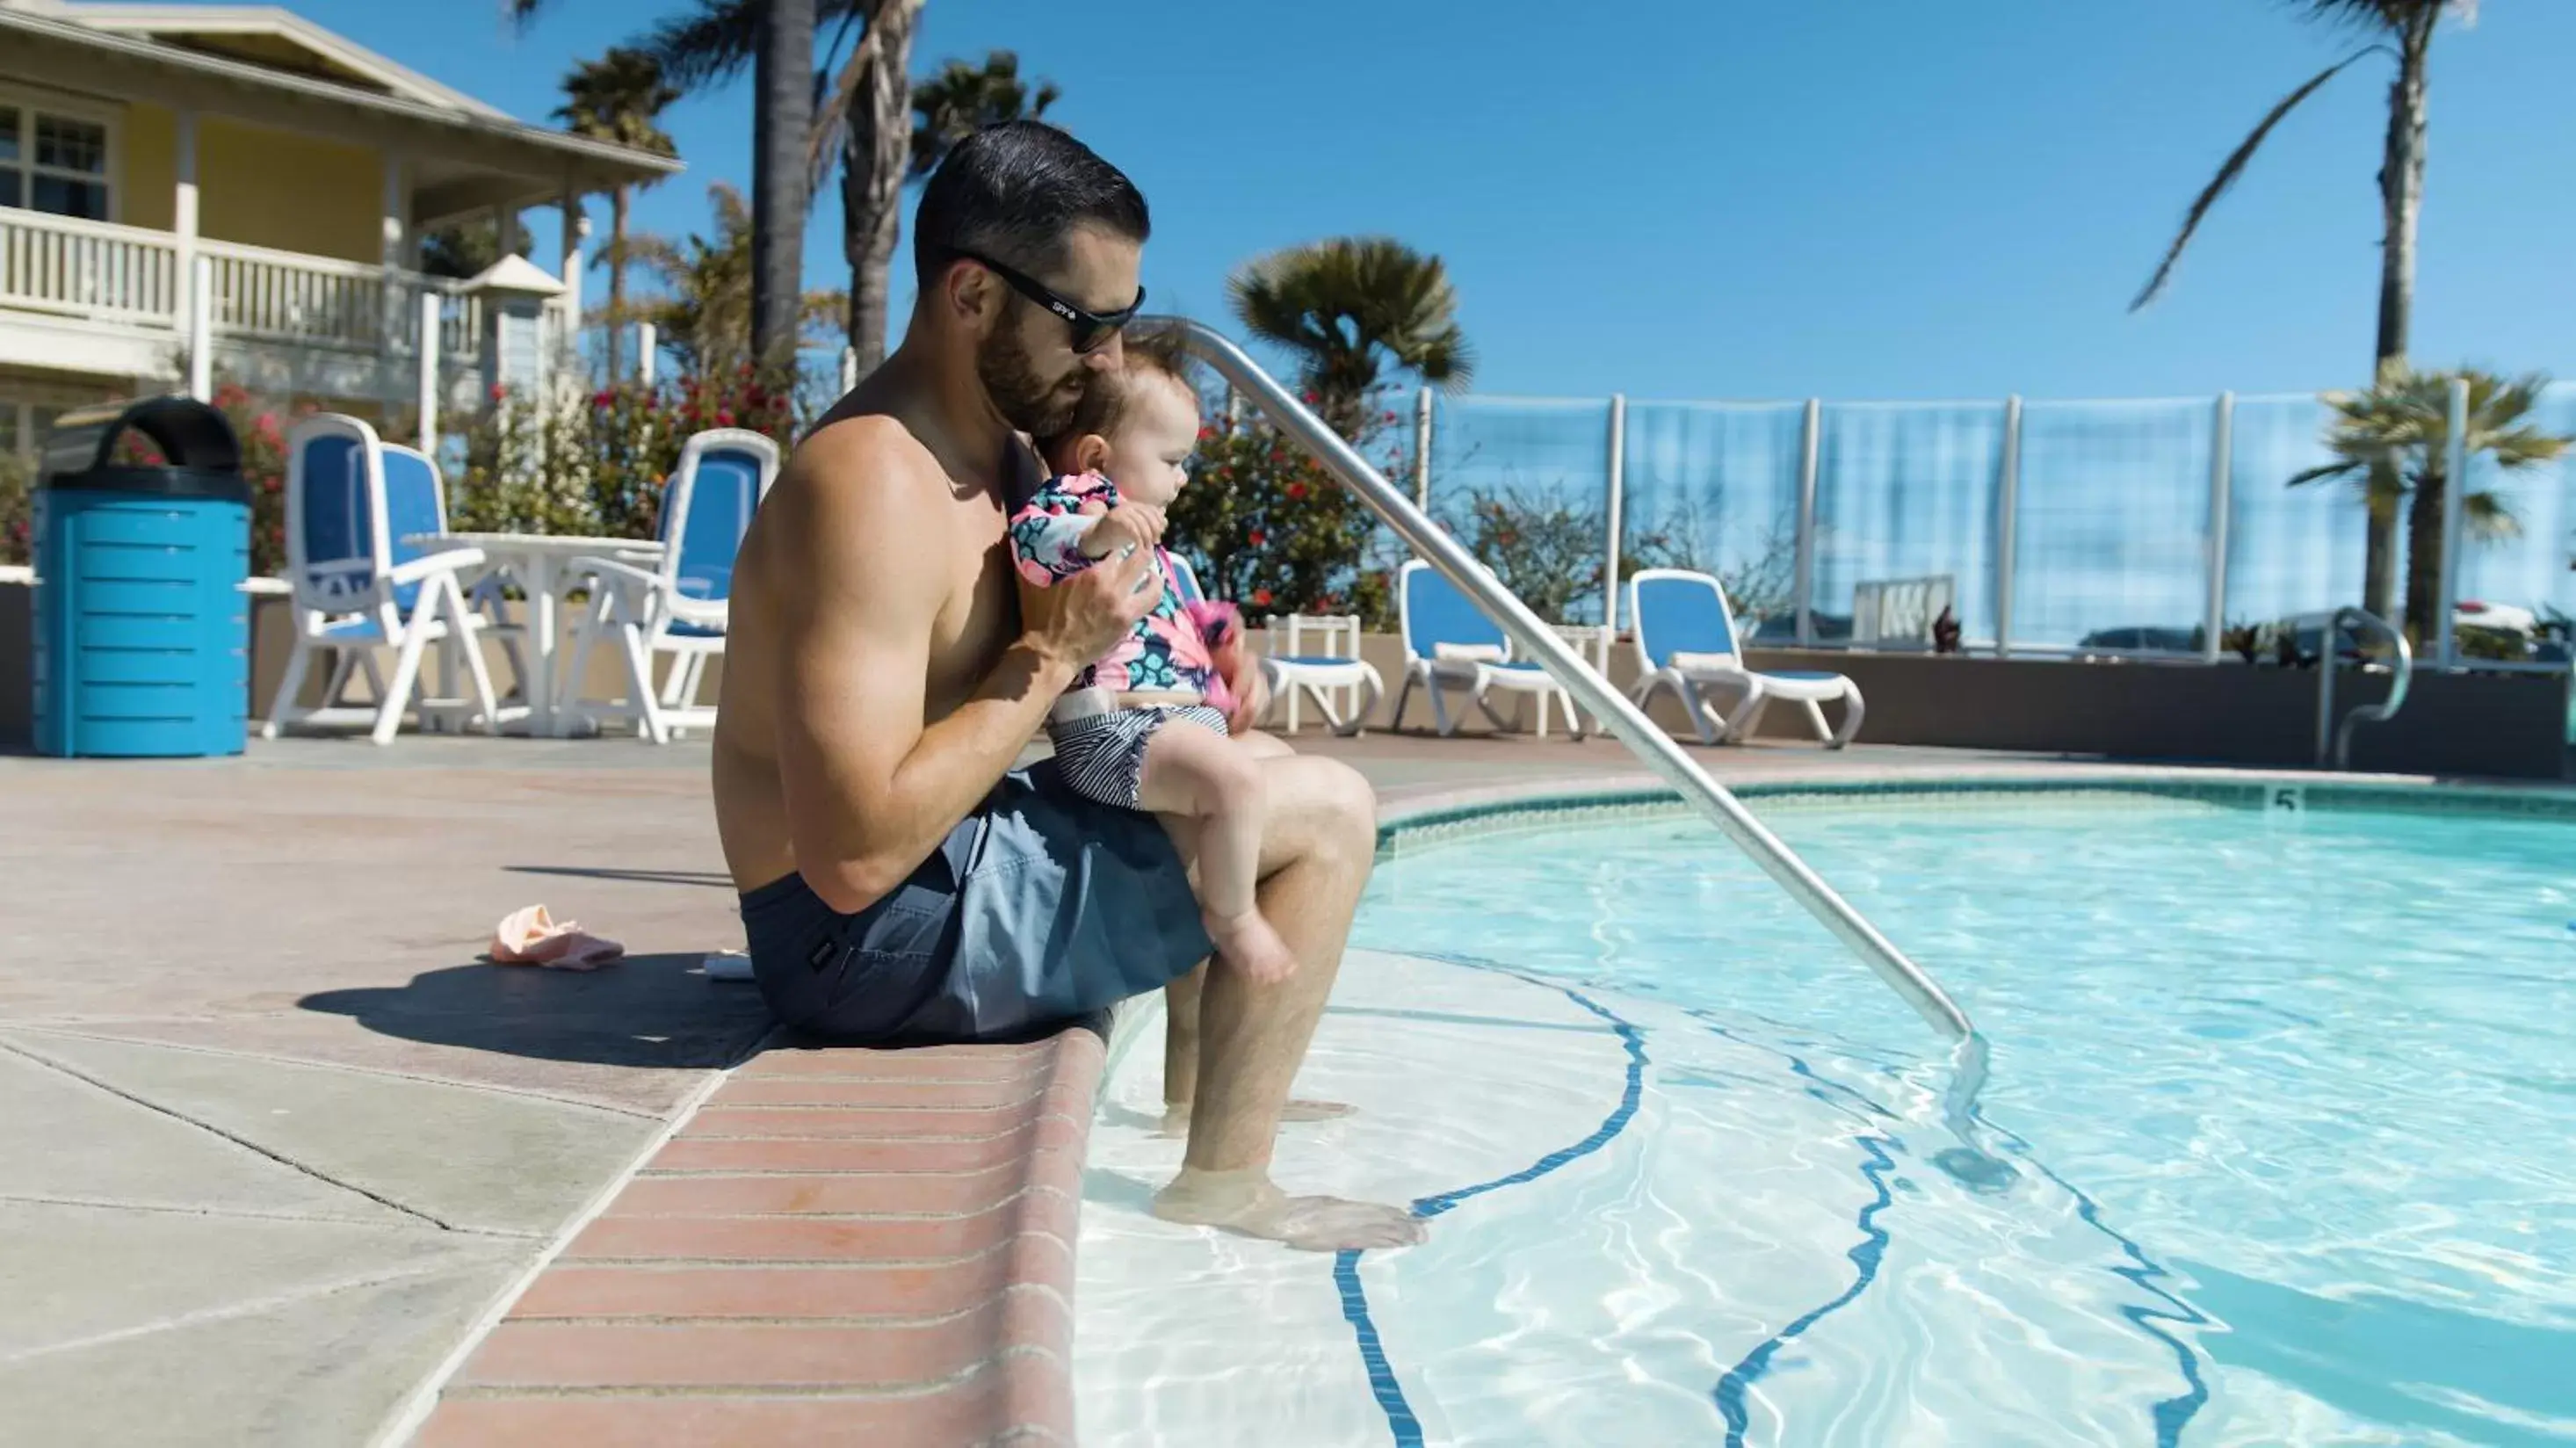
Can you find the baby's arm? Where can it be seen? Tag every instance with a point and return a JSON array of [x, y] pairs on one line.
[[1047, 535]]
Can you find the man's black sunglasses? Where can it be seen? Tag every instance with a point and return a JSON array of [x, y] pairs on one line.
[[1091, 330]]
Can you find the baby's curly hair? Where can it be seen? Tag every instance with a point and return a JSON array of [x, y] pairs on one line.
[[1150, 352]]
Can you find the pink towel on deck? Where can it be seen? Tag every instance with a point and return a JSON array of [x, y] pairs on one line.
[[530, 936]]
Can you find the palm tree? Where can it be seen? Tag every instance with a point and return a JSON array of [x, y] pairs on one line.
[[1348, 307], [870, 101], [880, 155], [860, 116], [2394, 442], [704, 310], [777, 36], [2403, 31], [963, 99], [616, 98]]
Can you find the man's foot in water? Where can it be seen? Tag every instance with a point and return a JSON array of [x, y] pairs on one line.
[[1246, 1203]]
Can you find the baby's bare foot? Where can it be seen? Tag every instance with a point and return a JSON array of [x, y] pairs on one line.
[[1247, 943], [1245, 1202]]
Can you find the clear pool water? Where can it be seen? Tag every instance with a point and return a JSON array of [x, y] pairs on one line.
[[2305, 1084]]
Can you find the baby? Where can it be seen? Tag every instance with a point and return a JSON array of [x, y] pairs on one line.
[[1149, 726]]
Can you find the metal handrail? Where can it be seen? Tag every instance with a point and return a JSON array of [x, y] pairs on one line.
[[2379, 713], [1534, 639]]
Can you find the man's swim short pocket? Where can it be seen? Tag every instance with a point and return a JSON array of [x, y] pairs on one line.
[[860, 975]]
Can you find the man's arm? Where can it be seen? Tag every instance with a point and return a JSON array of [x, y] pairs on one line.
[[870, 789]]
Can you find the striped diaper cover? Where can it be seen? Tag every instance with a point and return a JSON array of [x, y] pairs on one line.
[[1101, 748]]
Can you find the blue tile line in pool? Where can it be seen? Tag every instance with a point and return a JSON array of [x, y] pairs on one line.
[[2175, 1412], [1346, 1265], [1866, 1254], [2171, 1415]]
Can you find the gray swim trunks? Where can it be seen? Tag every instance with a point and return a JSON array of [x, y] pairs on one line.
[[1041, 907]]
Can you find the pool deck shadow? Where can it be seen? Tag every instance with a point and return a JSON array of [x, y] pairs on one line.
[[656, 1011]]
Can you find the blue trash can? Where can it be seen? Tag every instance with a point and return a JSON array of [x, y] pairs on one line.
[[142, 628]]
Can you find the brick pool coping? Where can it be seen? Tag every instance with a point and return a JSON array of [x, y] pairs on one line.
[[834, 1243]]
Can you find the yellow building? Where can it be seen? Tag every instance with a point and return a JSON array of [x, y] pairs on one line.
[[143, 147]]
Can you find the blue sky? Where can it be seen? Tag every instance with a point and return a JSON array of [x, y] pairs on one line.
[[1686, 198]]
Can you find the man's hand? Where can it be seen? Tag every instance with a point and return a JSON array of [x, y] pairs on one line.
[[1129, 525], [1083, 617]]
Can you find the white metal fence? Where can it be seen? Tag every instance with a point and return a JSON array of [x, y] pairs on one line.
[[2128, 526]]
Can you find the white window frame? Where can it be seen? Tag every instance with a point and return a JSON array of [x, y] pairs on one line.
[[27, 101]]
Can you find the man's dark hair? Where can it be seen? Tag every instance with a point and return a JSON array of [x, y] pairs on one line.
[[1013, 192]]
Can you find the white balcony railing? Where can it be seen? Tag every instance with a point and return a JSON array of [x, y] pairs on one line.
[[88, 268], [131, 277]]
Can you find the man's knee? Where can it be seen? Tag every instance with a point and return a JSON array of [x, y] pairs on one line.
[[1346, 806], [1236, 780]]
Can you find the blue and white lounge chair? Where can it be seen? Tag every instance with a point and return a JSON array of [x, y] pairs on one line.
[[681, 605], [1185, 579], [356, 586], [1450, 644], [1687, 642]]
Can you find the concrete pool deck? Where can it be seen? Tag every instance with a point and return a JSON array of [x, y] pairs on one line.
[[279, 1148]]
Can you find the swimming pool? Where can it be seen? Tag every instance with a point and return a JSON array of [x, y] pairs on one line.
[[2282, 1090]]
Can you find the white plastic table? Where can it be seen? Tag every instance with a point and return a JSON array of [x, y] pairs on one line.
[[536, 562]]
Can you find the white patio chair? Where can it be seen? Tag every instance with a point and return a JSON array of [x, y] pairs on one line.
[[1687, 641], [351, 500], [1331, 663], [1450, 644], [679, 606]]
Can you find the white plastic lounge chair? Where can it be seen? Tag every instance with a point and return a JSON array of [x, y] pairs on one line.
[[1310, 672], [1686, 641], [679, 606], [1450, 644], [351, 500], [1293, 669]]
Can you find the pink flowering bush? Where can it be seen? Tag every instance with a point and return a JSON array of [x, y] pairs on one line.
[[596, 462]]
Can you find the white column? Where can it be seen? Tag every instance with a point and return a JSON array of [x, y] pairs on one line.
[[1811, 434], [648, 340], [201, 330], [2007, 526], [576, 230], [849, 368], [429, 318], [394, 226], [183, 210], [2455, 494], [1421, 453], [2222, 492], [1618, 470]]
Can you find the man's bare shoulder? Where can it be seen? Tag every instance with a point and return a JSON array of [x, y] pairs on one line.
[[855, 481]]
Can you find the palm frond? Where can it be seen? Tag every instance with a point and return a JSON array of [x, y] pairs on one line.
[[2322, 472], [616, 98], [963, 99], [2233, 168], [1347, 306], [2490, 517], [712, 42]]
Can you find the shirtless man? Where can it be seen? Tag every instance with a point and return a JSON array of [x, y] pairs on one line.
[[884, 668]]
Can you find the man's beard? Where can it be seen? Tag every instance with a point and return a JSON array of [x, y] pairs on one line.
[[1026, 402]]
